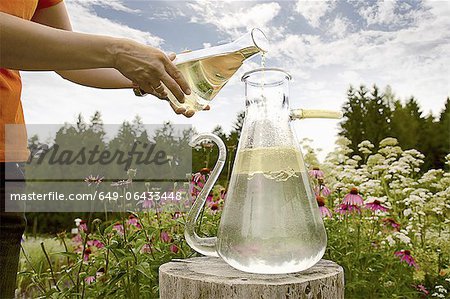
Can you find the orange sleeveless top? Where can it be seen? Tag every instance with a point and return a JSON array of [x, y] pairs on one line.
[[11, 112]]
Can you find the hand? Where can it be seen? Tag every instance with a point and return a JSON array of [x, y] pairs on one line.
[[187, 113], [163, 96], [149, 68], [179, 110]]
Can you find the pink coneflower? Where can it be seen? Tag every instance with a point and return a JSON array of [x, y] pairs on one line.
[[197, 182], [324, 211], [421, 288], [405, 256], [147, 204], [391, 222], [91, 180], [165, 237], [322, 190], [198, 178], [96, 243], [174, 248], [316, 173], [375, 205], [214, 207], [83, 226], [89, 279], [133, 221], [146, 248], [87, 252], [353, 198], [205, 171], [77, 239], [118, 227], [345, 209]]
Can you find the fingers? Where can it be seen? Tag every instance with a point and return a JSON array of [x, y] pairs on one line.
[[160, 89], [177, 110], [181, 110], [157, 94], [172, 56], [173, 86], [156, 86], [147, 87], [176, 75]]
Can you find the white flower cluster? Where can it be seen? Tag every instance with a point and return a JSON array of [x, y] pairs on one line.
[[392, 176], [440, 292]]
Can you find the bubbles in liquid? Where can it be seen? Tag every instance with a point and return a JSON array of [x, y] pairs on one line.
[[275, 163], [270, 223]]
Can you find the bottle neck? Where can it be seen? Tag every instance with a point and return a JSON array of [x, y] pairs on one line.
[[267, 101], [267, 119]]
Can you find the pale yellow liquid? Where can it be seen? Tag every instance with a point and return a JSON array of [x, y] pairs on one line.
[[270, 223], [207, 76], [278, 163]]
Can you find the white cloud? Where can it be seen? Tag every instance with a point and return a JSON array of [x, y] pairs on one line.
[[313, 11], [412, 58], [352, 77], [393, 14], [404, 47], [84, 19], [380, 13], [235, 19], [167, 13], [339, 27], [113, 4]]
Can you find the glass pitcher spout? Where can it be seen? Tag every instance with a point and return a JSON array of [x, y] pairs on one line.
[[205, 246], [208, 70], [313, 113]]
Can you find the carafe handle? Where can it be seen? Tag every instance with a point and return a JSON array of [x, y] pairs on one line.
[[306, 113], [205, 246]]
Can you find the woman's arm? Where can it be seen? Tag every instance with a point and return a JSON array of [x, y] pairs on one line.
[[57, 17], [26, 45]]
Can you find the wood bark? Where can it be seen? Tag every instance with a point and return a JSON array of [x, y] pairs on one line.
[[212, 278]]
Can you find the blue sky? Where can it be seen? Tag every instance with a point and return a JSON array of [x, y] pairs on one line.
[[325, 45]]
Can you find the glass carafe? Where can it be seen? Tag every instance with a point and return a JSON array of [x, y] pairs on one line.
[[270, 222], [208, 70]]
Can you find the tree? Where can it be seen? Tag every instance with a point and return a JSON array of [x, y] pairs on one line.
[[374, 116], [443, 132], [377, 117], [238, 123], [353, 125], [218, 130], [406, 123], [428, 142]]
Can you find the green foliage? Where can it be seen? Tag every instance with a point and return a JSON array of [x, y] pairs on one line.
[[115, 259], [372, 115], [364, 243], [135, 245]]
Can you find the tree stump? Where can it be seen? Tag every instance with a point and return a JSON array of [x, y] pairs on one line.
[[212, 278]]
